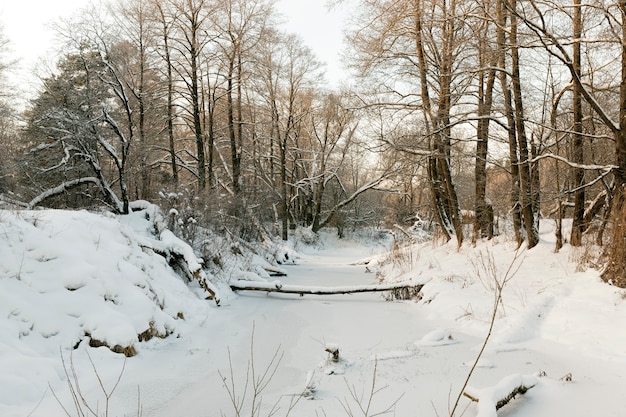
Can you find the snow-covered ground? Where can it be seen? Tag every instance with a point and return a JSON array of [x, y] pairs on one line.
[[67, 277]]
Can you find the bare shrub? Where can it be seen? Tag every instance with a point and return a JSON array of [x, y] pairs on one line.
[[586, 255], [362, 401], [246, 395], [82, 407]]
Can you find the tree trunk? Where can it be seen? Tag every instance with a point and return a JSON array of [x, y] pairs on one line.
[[170, 114], [483, 225], [616, 261], [525, 180], [195, 102], [170, 93], [444, 195], [143, 165], [241, 285], [501, 16], [232, 130], [578, 226]]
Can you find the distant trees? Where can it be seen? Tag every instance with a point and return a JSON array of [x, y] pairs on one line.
[[7, 112], [504, 107], [451, 68], [158, 95]]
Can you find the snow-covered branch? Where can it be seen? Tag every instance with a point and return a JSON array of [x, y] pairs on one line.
[[373, 183], [493, 398], [61, 188], [590, 167]]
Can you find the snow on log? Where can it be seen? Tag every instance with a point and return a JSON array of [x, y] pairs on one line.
[[493, 398], [176, 251], [276, 286]]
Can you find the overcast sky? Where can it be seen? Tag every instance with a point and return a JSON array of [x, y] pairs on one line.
[[26, 24]]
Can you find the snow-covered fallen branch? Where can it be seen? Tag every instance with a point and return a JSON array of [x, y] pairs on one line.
[[493, 398], [276, 286], [176, 251]]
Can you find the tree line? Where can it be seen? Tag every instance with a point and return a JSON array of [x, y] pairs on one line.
[[507, 108], [155, 96], [535, 90]]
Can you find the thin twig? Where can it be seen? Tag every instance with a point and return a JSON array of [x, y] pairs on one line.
[[510, 273]]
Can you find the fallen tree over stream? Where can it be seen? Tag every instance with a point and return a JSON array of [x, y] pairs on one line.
[[276, 286]]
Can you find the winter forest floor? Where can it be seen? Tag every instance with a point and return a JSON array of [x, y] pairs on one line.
[[418, 353]]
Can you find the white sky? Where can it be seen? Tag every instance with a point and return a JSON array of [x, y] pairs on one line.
[[26, 24]]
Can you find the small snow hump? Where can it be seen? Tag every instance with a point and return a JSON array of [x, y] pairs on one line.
[[437, 337], [333, 350]]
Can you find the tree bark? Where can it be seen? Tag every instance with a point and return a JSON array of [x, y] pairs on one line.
[[483, 225], [578, 225], [501, 17], [525, 180], [445, 199], [240, 285]]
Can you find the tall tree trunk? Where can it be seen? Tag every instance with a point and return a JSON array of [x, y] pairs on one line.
[[525, 180], [501, 17], [232, 130], [140, 96], [483, 226], [616, 262], [284, 190], [211, 137], [197, 124], [170, 93], [444, 195], [578, 226], [170, 118]]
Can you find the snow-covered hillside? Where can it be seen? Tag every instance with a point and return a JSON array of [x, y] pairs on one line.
[[76, 278], [68, 278]]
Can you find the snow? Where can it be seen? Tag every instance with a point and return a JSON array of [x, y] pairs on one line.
[[489, 397], [67, 277]]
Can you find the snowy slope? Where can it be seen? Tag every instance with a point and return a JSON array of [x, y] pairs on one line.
[[555, 317], [70, 278]]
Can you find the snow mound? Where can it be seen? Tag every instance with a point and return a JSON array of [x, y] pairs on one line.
[[68, 278], [489, 398], [438, 337]]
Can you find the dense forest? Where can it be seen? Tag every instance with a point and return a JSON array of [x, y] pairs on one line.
[[483, 112]]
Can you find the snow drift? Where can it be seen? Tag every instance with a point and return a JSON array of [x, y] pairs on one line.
[[69, 278]]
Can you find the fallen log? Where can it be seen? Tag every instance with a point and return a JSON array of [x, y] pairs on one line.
[[493, 398], [242, 285]]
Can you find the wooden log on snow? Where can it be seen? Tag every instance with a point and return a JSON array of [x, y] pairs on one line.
[[241, 285], [494, 398]]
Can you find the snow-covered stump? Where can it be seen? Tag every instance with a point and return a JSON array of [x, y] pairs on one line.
[[333, 351], [494, 398]]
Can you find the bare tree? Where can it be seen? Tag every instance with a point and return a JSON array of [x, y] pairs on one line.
[[611, 37], [289, 70], [192, 36], [486, 75], [166, 20], [422, 45], [241, 24]]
